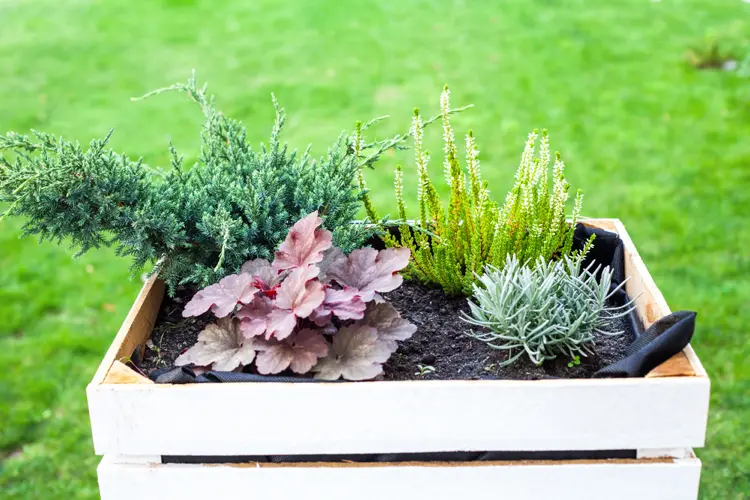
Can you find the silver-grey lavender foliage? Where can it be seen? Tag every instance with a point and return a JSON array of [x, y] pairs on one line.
[[543, 310]]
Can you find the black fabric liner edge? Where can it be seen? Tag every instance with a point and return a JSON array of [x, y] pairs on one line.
[[451, 456]]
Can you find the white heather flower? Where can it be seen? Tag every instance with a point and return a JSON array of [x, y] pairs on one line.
[[544, 151], [558, 171], [526, 157], [472, 163], [526, 201], [577, 207], [418, 134], [448, 137], [399, 184], [536, 174]]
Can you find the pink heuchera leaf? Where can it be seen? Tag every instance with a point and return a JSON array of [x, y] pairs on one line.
[[369, 270], [266, 277], [356, 354], [281, 323], [389, 324], [304, 244], [221, 345], [300, 292], [254, 316], [222, 297], [297, 297], [344, 304], [300, 353], [329, 256]]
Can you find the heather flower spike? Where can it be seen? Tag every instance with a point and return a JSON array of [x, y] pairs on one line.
[[290, 309]]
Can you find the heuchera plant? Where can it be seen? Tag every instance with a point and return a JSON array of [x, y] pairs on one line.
[[313, 309]]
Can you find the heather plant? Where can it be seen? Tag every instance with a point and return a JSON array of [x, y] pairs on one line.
[[198, 224], [452, 243], [544, 310], [312, 309]]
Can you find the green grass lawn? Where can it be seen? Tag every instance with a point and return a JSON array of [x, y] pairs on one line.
[[650, 140]]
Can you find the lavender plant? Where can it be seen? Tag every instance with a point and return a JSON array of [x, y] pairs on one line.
[[544, 310]]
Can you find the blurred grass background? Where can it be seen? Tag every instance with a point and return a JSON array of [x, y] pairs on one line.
[[649, 138]]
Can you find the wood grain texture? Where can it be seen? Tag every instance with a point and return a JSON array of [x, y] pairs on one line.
[[488, 463], [650, 303], [120, 373], [136, 328], [584, 480]]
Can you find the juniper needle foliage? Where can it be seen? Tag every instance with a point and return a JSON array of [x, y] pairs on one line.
[[452, 243], [201, 223], [544, 310]]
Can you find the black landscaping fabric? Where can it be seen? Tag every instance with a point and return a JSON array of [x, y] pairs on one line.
[[651, 347], [441, 456], [661, 340]]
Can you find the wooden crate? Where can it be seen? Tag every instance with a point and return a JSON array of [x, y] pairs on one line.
[[135, 423]]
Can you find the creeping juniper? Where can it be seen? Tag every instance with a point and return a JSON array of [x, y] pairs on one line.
[[197, 224]]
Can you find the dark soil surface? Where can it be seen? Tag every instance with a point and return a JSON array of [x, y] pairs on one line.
[[173, 334], [440, 342]]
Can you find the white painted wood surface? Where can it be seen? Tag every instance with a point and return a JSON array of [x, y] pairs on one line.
[[660, 412], [599, 480], [380, 417]]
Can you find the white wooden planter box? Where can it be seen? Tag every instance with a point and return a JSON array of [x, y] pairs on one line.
[[660, 417]]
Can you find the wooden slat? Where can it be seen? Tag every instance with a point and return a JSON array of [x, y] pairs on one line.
[[484, 463], [650, 303], [401, 417], [120, 373], [583, 480], [136, 328]]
